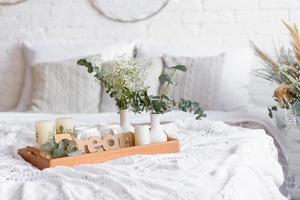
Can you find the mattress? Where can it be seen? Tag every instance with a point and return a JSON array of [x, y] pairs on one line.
[[216, 161]]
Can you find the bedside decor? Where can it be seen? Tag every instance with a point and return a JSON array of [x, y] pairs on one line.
[[124, 123], [124, 80], [63, 148], [68, 150], [142, 135], [44, 132], [157, 135], [64, 125], [284, 71], [121, 77], [161, 104]]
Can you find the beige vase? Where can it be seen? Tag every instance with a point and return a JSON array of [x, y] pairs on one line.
[[124, 123]]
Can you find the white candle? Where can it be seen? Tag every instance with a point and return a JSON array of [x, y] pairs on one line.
[[64, 125], [141, 135], [44, 131]]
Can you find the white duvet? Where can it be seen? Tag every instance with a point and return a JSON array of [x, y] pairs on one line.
[[216, 161]]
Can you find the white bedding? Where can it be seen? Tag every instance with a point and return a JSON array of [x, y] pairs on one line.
[[216, 161]]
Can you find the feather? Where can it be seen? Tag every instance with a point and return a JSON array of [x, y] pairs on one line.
[[266, 58], [294, 33]]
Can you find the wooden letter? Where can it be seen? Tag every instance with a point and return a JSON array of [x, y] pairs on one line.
[[126, 140], [82, 145], [110, 142], [95, 144]]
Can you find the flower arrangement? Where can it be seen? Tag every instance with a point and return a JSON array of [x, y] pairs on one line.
[[124, 79], [284, 71]]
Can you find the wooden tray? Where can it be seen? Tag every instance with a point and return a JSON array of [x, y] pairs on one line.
[[32, 155]]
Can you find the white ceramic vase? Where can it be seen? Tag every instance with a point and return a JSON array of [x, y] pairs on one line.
[[157, 135], [124, 123]]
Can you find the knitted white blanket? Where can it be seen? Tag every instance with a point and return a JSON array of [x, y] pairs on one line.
[[216, 161]]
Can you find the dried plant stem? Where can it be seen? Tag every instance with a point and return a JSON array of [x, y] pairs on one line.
[[294, 33]]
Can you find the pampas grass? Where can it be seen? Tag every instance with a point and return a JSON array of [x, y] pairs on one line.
[[284, 69]]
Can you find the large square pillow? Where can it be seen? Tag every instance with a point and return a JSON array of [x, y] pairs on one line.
[[219, 82], [63, 87], [41, 52], [201, 82], [236, 70]]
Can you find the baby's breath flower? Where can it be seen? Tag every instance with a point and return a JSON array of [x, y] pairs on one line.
[[122, 77], [123, 72]]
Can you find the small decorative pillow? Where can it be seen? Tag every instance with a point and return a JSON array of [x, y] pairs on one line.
[[153, 68], [201, 82], [64, 87]]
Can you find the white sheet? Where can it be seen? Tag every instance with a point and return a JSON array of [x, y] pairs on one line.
[[216, 161]]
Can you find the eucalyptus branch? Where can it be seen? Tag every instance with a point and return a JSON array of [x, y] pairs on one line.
[[169, 82], [163, 103]]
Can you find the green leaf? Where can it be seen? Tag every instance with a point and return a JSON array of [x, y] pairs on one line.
[[155, 97], [296, 108], [274, 108], [58, 153], [82, 62], [184, 109], [270, 113], [49, 146], [156, 106], [188, 103], [195, 104], [180, 68], [90, 69], [164, 78], [166, 97], [198, 111], [61, 145], [96, 69]]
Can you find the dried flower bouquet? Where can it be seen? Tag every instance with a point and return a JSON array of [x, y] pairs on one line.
[[284, 71]]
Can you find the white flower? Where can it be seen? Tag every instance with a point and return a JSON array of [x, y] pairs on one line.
[[123, 72]]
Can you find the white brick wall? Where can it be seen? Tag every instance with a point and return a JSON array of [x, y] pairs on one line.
[[192, 22]]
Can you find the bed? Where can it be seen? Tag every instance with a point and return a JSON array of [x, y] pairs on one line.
[[217, 160]]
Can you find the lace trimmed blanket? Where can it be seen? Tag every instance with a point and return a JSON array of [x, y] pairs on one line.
[[216, 161]]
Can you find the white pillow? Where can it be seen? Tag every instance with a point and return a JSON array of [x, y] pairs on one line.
[[64, 87], [236, 73], [201, 82], [231, 92], [53, 52], [234, 94]]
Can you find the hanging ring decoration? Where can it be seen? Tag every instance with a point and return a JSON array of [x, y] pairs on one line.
[[129, 11], [10, 2]]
